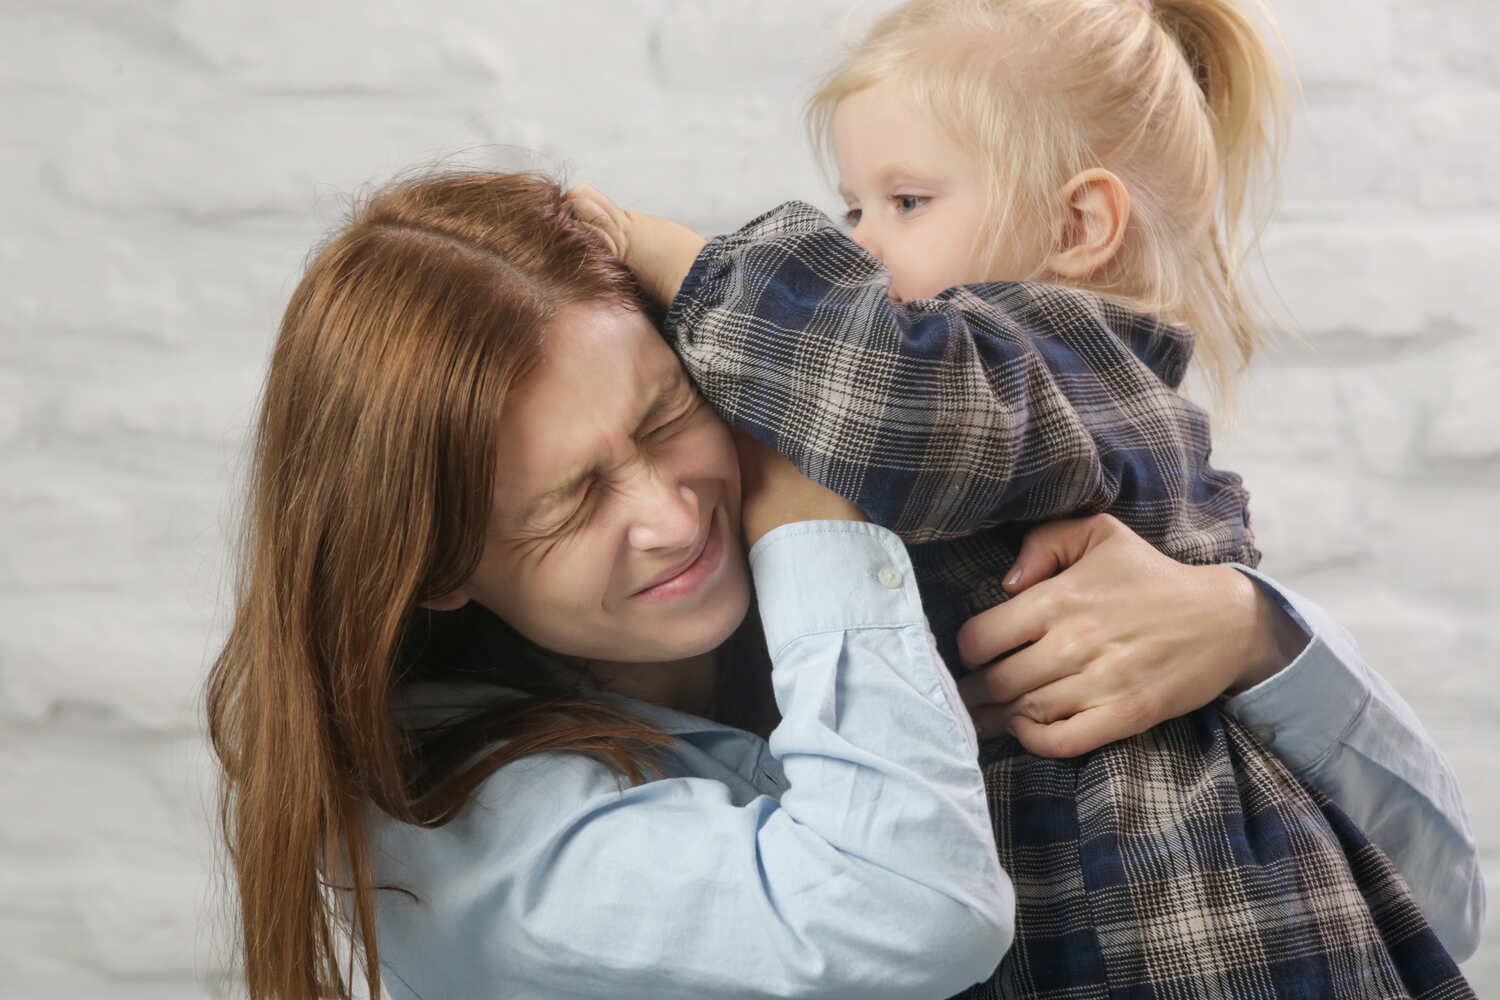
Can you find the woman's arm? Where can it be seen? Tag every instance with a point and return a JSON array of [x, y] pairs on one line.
[[874, 874], [1341, 727], [1123, 638], [988, 404]]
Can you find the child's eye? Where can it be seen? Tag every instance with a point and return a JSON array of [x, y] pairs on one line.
[[851, 217], [910, 202]]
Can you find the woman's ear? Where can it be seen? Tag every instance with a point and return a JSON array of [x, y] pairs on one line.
[[448, 602], [1096, 210]]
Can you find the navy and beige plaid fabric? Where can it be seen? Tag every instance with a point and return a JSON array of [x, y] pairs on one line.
[[1185, 862], [957, 421]]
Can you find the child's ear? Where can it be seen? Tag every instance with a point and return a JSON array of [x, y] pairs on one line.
[[1096, 209]]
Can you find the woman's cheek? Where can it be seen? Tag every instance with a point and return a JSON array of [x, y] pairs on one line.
[[713, 449]]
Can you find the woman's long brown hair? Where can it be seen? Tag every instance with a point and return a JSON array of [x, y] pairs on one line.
[[370, 490]]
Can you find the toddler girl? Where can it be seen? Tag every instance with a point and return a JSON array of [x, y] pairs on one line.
[[1045, 199]]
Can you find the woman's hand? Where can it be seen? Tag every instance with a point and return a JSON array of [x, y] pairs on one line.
[[659, 252], [1121, 639], [773, 492]]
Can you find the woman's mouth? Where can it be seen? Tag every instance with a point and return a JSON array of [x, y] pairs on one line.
[[691, 576]]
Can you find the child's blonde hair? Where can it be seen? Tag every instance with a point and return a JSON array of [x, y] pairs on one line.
[[1181, 99]]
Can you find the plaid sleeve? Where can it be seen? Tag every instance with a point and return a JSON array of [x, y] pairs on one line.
[[991, 403]]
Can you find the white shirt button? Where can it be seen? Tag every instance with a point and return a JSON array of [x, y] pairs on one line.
[[889, 577], [1264, 735]]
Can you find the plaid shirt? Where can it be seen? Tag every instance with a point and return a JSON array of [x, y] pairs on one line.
[[1188, 862], [957, 421], [1182, 862]]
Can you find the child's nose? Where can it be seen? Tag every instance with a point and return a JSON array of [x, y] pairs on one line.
[[864, 235]]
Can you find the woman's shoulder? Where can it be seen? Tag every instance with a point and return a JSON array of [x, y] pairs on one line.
[[543, 789]]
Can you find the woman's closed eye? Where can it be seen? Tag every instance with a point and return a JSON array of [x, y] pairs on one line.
[[588, 495], [578, 513], [686, 411]]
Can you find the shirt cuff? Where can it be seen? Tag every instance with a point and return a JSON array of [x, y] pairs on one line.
[[832, 576], [1306, 708]]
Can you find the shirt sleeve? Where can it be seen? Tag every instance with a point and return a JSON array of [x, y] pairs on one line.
[[873, 875], [990, 403], [1339, 726]]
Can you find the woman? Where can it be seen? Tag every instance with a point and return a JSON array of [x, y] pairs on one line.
[[491, 564], [466, 410]]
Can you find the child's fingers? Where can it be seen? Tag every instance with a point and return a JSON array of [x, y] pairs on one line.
[[597, 211]]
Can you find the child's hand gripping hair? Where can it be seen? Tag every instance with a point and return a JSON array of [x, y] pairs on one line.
[[659, 252]]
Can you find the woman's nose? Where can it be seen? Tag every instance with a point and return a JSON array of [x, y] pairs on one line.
[[666, 517]]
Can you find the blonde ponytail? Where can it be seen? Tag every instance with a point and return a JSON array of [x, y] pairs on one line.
[[1245, 98]]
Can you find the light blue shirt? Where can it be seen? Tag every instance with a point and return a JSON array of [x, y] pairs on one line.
[[1340, 727], [852, 855]]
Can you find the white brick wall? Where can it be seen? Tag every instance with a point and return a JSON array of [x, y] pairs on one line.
[[164, 167]]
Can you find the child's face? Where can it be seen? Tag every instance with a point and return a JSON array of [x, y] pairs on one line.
[[916, 199]]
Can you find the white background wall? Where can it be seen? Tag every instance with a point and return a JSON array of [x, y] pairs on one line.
[[165, 164]]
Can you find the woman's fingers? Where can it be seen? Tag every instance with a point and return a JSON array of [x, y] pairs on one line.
[[1010, 677], [1050, 548], [1059, 700], [1077, 734], [999, 631]]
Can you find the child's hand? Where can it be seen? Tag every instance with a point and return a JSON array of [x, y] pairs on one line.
[[597, 210], [773, 492], [1121, 639], [659, 252]]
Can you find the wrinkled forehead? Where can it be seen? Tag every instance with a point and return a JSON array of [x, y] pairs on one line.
[[603, 370]]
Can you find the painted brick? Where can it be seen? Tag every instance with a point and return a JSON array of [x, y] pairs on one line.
[[1448, 41], [1346, 154], [1340, 42], [1466, 423], [1360, 285], [1458, 135]]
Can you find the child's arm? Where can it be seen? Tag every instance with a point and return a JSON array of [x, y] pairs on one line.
[[989, 404]]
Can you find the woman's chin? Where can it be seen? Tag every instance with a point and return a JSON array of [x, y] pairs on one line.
[[705, 628]]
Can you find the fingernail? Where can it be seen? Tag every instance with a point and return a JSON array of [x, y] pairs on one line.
[[1013, 579]]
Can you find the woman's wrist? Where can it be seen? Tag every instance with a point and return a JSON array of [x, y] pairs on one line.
[[1271, 638]]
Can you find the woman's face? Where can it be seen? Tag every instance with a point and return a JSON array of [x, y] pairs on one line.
[[614, 533]]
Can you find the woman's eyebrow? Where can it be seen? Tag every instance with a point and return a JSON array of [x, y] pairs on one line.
[[662, 397]]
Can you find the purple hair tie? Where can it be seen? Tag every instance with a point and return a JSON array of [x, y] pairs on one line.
[[1144, 5]]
